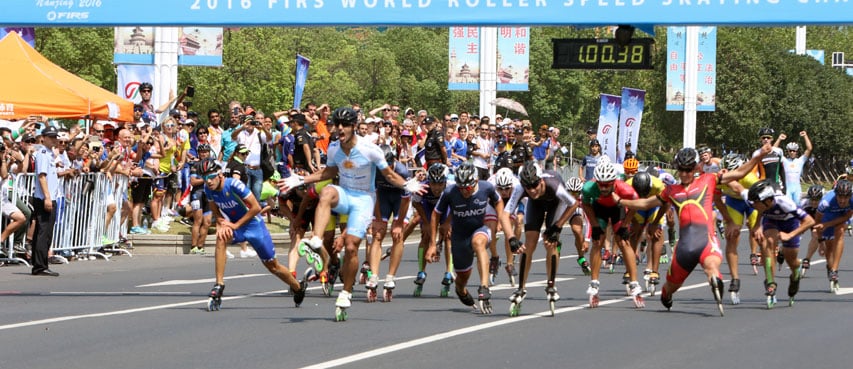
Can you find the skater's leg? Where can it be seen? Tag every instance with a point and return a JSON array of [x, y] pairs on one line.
[[768, 252], [375, 254], [349, 267], [837, 249], [479, 242], [531, 238], [220, 258], [282, 273]]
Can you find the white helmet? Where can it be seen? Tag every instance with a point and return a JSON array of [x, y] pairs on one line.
[[792, 146], [504, 178], [605, 172], [603, 159], [574, 184]]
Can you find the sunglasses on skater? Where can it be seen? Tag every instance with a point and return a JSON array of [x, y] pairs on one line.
[[210, 176]]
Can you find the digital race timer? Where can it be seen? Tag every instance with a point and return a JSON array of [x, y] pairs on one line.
[[591, 53]]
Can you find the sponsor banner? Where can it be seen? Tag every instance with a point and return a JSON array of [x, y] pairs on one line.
[[302, 64], [27, 33], [464, 59], [513, 58], [134, 45], [246, 13], [608, 123], [630, 118], [129, 79], [706, 86], [819, 55], [200, 46]]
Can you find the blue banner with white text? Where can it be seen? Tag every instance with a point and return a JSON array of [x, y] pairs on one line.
[[302, 64], [463, 71], [513, 58], [706, 69], [630, 117], [421, 12]]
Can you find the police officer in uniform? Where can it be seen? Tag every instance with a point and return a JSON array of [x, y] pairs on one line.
[[44, 201]]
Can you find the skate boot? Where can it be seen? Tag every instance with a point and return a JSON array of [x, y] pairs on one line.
[[511, 273], [308, 249], [483, 296], [592, 291], [552, 296], [364, 273], [215, 295], [805, 264], [665, 299], [445, 283], [343, 303], [388, 288], [717, 290], [637, 294], [770, 292], [371, 286], [734, 291], [654, 280], [465, 298], [584, 264], [419, 284], [494, 264], [299, 296], [754, 259], [515, 301], [833, 282], [794, 285]]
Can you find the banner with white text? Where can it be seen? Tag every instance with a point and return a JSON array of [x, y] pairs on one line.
[[513, 58], [245, 13], [630, 117], [608, 122], [302, 64], [706, 86], [464, 59]]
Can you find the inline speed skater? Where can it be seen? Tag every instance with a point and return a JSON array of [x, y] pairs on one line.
[[549, 204], [424, 204], [693, 198], [809, 204], [469, 201], [604, 212], [504, 181], [580, 225], [238, 221], [649, 223], [834, 210]]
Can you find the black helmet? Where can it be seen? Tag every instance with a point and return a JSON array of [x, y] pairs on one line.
[[209, 166], [686, 159], [766, 131], [390, 154], [466, 175], [761, 190], [843, 188], [146, 86], [503, 161], [530, 174], [345, 116], [815, 192], [437, 173], [642, 183], [203, 147], [594, 142]]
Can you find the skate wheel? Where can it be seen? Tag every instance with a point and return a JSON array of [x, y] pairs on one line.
[[611, 268], [593, 301], [340, 315], [755, 269], [301, 249], [387, 296], [652, 288], [444, 292], [512, 281], [639, 303], [514, 309], [418, 291], [771, 301], [551, 306], [791, 302], [213, 305], [735, 298], [492, 279], [327, 289]]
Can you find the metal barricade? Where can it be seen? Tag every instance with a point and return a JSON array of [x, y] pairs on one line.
[[81, 213]]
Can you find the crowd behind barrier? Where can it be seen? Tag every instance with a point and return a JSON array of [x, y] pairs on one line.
[[81, 227]]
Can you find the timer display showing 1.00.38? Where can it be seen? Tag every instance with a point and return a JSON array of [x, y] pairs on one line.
[[590, 53]]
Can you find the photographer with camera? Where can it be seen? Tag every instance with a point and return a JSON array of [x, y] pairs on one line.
[[252, 134]]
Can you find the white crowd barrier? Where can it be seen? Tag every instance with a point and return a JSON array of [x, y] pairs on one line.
[[81, 214]]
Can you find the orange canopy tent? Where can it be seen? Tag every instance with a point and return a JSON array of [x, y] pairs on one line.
[[32, 85]]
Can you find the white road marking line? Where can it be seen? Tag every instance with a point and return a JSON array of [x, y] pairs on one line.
[[458, 332], [176, 282]]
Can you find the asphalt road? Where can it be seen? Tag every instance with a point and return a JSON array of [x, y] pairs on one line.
[[150, 312]]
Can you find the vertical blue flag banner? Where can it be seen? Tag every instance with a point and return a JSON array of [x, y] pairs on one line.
[[302, 64], [129, 79], [608, 123], [200, 46], [706, 88], [675, 48], [630, 118], [27, 33], [134, 45], [513, 58], [464, 59]]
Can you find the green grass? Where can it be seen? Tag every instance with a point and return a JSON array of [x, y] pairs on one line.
[[278, 225]]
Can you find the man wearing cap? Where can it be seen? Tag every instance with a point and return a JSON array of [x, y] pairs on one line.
[[303, 148], [47, 190]]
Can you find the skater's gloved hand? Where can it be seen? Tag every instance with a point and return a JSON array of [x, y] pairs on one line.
[[597, 232], [552, 233], [415, 186], [514, 245], [289, 183]]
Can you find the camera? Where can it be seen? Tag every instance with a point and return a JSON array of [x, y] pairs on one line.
[[2, 147], [188, 104], [256, 122], [190, 91]]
